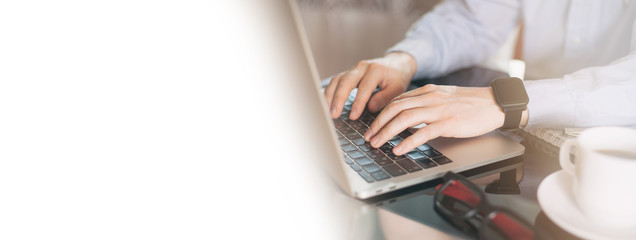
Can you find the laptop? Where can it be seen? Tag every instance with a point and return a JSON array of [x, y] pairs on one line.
[[363, 172]]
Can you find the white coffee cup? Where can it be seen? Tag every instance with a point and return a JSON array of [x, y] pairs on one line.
[[604, 174]]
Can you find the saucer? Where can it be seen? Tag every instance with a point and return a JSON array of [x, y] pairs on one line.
[[556, 200]]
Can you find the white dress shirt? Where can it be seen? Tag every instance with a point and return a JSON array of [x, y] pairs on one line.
[[580, 54]]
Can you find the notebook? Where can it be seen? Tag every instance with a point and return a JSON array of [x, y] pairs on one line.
[[364, 172]]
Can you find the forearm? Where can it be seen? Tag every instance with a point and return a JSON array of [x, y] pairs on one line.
[[589, 97], [458, 34]]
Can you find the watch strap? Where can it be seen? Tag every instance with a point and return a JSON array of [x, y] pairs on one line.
[[512, 119]]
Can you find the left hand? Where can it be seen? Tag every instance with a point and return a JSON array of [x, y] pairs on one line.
[[448, 111]]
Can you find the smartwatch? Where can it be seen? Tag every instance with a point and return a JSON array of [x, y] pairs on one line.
[[511, 96]]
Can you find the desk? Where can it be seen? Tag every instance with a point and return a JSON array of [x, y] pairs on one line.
[[411, 216]]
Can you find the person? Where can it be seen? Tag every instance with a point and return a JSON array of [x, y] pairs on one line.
[[580, 58]]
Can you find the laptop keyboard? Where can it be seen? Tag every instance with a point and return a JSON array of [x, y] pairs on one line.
[[380, 164]]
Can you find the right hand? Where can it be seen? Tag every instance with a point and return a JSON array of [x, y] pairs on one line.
[[391, 73]]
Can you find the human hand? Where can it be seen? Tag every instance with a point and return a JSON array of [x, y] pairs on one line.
[[448, 111], [392, 73]]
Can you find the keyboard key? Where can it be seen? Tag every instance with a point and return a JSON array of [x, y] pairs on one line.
[[346, 129], [405, 134], [366, 147], [371, 168], [367, 119], [383, 161], [349, 121], [424, 147], [352, 135], [408, 165], [442, 160], [426, 163], [366, 177], [340, 136], [394, 170], [358, 141], [352, 96], [348, 160], [391, 155], [362, 131], [400, 158], [363, 161], [348, 147], [415, 155], [394, 142], [356, 167], [355, 154], [356, 122], [361, 128], [386, 148], [432, 153], [375, 153], [339, 123], [380, 175], [342, 141]]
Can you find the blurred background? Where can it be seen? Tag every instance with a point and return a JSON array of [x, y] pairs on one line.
[[343, 32]]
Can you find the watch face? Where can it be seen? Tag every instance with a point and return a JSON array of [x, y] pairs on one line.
[[510, 92]]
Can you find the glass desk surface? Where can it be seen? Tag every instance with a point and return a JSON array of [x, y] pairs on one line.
[[411, 216]]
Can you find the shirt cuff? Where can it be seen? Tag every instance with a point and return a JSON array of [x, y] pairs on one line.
[[551, 103]]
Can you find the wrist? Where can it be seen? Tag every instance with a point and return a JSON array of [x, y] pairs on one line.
[[498, 115], [524, 118], [403, 62]]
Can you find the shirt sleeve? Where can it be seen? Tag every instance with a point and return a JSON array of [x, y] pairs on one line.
[[458, 34], [595, 96]]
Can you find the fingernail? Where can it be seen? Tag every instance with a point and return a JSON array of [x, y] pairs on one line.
[[333, 111], [366, 136], [397, 150], [353, 113], [374, 141]]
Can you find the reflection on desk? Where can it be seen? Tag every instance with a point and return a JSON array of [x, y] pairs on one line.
[[410, 216], [396, 226], [413, 217], [367, 221]]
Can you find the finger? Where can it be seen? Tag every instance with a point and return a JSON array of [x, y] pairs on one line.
[[423, 135], [331, 89], [419, 91], [390, 112], [384, 96], [396, 107], [366, 87], [402, 121], [347, 82]]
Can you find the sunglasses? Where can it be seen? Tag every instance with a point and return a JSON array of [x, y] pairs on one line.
[[464, 205]]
